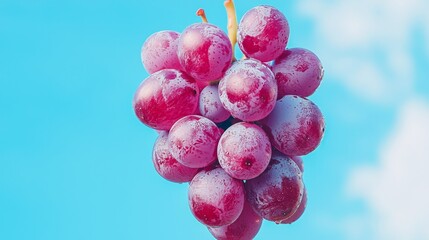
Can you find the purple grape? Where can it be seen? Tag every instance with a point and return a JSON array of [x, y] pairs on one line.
[[204, 51], [298, 71], [164, 97], [244, 151], [244, 228], [215, 198], [166, 165], [298, 213], [248, 90], [295, 126], [210, 105], [159, 52], [276, 194], [193, 141], [263, 33]]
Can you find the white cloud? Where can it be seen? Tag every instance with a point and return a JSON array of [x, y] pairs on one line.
[[366, 44], [396, 191]]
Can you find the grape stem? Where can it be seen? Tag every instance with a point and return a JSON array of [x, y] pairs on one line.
[[202, 14], [232, 24]]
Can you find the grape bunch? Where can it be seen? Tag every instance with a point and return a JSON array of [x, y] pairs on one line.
[[235, 129]]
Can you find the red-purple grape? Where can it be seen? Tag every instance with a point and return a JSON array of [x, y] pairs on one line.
[[204, 51], [166, 165], [263, 33], [159, 52], [248, 90], [298, 71], [215, 198], [276, 194], [164, 97], [193, 141], [244, 151], [298, 213], [295, 126], [244, 228], [210, 105]]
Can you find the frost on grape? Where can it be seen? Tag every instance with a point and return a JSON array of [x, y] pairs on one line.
[[215, 198], [166, 165], [297, 71], [296, 126], [204, 51], [159, 51], [164, 97], [244, 151], [245, 227], [193, 141], [276, 194], [248, 90], [263, 33], [210, 105]]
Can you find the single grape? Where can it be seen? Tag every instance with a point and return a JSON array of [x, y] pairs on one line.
[[248, 90], [215, 198], [210, 105], [298, 71], [298, 213], [244, 151], [263, 33], [164, 97], [193, 141], [166, 165], [159, 51], [244, 228], [276, 194], [204, 51], [295, 126]]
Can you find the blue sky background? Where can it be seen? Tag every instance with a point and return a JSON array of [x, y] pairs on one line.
[[75, 163]]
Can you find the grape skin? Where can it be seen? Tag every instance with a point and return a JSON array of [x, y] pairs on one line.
[[159, 51], [248, 90], [295, 126], [297, 71], [244, 228], [244, 151], [210, 105], [297, 159], [166, 165], [164, 97], [215, 198], [263, 33], [298, 213], [204, 51], [299, 162], [193, 141], [276, 194]]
